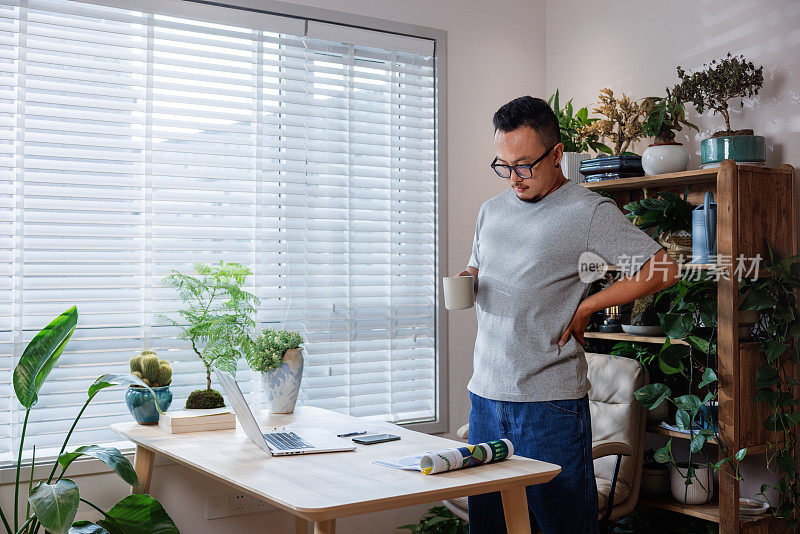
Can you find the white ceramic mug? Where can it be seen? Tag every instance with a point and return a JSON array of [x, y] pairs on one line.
[[459, 292]]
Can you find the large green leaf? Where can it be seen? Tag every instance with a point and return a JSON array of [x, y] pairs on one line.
[[138, 514], [109, 456], [85, 527], [651, 395], [55, 505], [676, 325], [757, 299], [41, 355], [690, 403], [696, 445], [683, 420], [766, 376], [709, 376], [115, 379]]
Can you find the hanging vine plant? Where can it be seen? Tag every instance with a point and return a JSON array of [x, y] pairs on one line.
[[777, 331], [692, 317]]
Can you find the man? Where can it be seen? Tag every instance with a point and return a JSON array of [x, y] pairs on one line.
[[529, 380]]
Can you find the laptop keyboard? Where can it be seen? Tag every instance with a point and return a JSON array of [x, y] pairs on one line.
[[286, 440]]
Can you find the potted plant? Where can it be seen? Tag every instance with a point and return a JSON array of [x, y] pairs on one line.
[[642, 353], [52, 504], [622, 125], [279, 359], [217, 321], [668, 219], [664, 116], [576, 146], [721, 81], [655, 475], [691, 483], [155, 373]]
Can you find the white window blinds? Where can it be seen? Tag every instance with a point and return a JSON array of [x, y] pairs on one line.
[[134, 143]]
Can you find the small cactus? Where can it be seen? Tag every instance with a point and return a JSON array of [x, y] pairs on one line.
[[164, 373], [151, 370]]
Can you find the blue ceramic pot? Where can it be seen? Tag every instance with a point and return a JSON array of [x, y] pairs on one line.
[[741, 148], [142, 406]]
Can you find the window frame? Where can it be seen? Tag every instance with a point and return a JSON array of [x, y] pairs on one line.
[[188, 8]]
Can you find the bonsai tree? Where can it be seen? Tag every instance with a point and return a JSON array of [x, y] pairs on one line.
[[623, 122], [721, 81], [571, 125], [217, 321], [152, 371], [270, 346], [664, 116]]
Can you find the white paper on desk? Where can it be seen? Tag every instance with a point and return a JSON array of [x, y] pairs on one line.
[[409, 463]]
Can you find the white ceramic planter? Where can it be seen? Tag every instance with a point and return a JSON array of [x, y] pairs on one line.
[[282, 385], [660, 159], [694, 493], [571, 162]]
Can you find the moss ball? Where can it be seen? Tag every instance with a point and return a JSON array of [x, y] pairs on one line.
[[204, 399]]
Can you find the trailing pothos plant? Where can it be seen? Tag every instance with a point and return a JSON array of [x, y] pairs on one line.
[[777, 331], [692, 317], [53, 504]]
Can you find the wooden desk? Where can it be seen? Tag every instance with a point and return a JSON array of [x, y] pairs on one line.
[[323, 487]]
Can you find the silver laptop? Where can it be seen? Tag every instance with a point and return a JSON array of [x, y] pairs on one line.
[[277, 442]]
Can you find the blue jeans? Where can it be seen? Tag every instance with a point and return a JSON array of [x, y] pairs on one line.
[[558, 432]]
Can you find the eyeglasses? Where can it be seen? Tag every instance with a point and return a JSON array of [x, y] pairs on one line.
[[523, 171]]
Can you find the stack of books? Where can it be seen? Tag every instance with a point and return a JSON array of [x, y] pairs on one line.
[[197, 420]]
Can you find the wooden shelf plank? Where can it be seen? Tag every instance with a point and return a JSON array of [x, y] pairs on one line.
[[694, 176], [690, 177], [655, 429], [622, 336], [708, 511]]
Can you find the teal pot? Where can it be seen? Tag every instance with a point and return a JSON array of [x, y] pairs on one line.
[[282, 385], [739, 148], [142, 406]]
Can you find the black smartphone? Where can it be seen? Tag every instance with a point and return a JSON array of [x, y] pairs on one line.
[[375, 438]]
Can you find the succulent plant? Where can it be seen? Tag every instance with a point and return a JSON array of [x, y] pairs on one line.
[[152, 371]]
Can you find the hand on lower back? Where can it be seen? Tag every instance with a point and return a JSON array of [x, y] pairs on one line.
[[577, 326]]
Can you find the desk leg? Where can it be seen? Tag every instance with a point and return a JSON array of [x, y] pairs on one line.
[[515, 505], [300, 525], [143, 464], [325, 527]]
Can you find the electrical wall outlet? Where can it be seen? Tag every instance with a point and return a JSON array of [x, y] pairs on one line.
[[217, 506], [238, 503], [264, 506]]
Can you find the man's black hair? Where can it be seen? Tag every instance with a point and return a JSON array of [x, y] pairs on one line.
[[532, 112]]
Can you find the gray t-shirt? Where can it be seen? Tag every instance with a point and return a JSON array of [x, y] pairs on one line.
[[527, 256]]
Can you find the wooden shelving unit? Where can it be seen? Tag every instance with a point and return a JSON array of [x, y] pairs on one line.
[[754, 205], [622, 336]]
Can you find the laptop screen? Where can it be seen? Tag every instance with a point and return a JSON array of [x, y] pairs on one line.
[[241, 409]]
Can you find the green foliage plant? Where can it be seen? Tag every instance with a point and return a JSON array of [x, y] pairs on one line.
[[218, 316], [571, 123], [664, 115], [732, 77], [53, 503], [439, 520], [152, 371], [636, 351], [270, 346], [668, 213], [691, 317], [777, 332]]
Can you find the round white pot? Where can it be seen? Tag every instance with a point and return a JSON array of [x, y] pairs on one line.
[[694, 493], [281, 385], [660, 159]]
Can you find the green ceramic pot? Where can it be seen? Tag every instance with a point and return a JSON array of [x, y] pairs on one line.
[[741, 148]]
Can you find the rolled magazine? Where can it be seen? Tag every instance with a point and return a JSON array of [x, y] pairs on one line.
[[451, 459]]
